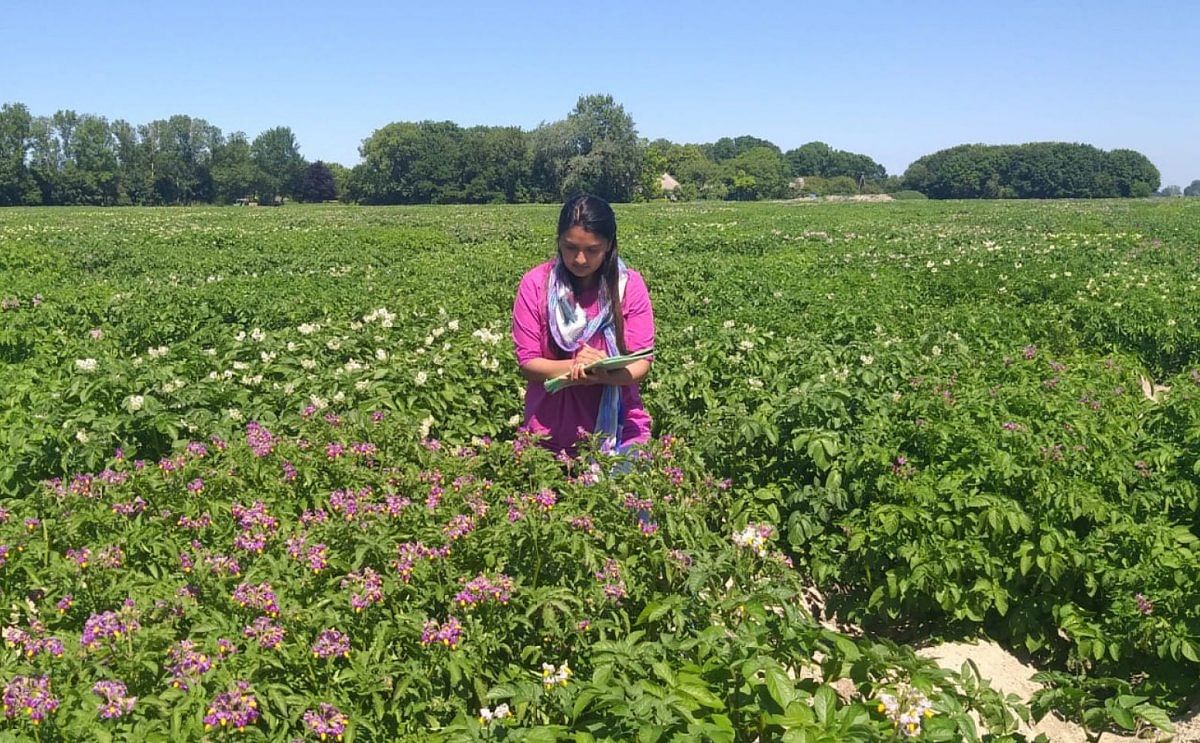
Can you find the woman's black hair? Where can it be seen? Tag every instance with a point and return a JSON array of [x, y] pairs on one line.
[[593, 214]]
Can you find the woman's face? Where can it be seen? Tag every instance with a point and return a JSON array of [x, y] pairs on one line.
[[583, 252]]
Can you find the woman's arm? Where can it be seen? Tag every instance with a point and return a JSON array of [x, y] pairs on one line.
[[632, 374]]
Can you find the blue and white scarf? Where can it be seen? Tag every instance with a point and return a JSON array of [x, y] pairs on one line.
[[572, 330]]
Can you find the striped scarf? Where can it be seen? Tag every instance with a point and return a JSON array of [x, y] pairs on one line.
[[572, 330]]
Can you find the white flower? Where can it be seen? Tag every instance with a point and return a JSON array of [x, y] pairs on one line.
[[867, 359], [135, 403], [362, 385], [317, 402], [426, 426], [755, 383], [552, 676], [485, 335], [292, 347], [333, 344], [156, 352], [353, 365], [240, 366], [210, 352], [241, 336], [308, 328], [308, 364], [267, 357], [453, 325], [421, 378], [257, 335], [339, 396], [936, 350], [728, 324], [486, 715], [489, 363], [85, 365], [380, 354], [82, 436], [96, 333], [746, 345], [234, 414], [514, 420]]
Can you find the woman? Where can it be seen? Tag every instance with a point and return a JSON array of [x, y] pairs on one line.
[[563, 320]]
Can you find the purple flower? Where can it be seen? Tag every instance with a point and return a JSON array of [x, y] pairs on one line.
[[260, 598], [236, 707], [197, 449], [114, 702], [196, 487], [613, 584], [334, 450], [1030, 352], [187, 664], [326, 720], [65, 603], [481, 589], [31, 696], [331, 643], [377, 416], [459, 526], [543, 499], [448, 633], [289, 471], [109, 625], [1144, 605], [260, 439], [81, 557], [366, 588], [268, 634], [132, 508]]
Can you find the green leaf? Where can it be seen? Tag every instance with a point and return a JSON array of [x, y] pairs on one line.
[[779, 686]]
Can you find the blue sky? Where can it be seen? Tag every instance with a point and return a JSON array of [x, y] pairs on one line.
[[888, 79]]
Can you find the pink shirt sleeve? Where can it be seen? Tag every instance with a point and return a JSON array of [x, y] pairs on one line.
[[529, 316], [638, 314]]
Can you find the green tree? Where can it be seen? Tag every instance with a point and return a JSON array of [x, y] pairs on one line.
[[410, 163], [1133, 173], [818, 158], [728, 148], [91, 173], [495, 165], [317, 184], [1193, 189], [759, 173], [276, 155], [178, 153], [606, 151], [17, 185], [341, 179], [234, 173]]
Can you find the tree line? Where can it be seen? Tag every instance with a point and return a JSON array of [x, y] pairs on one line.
[[1039, 170], [70, 158]]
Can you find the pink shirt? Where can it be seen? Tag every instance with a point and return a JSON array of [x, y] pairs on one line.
[[559, 415]]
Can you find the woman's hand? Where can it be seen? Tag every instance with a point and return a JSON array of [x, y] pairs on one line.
[[586, 355]]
